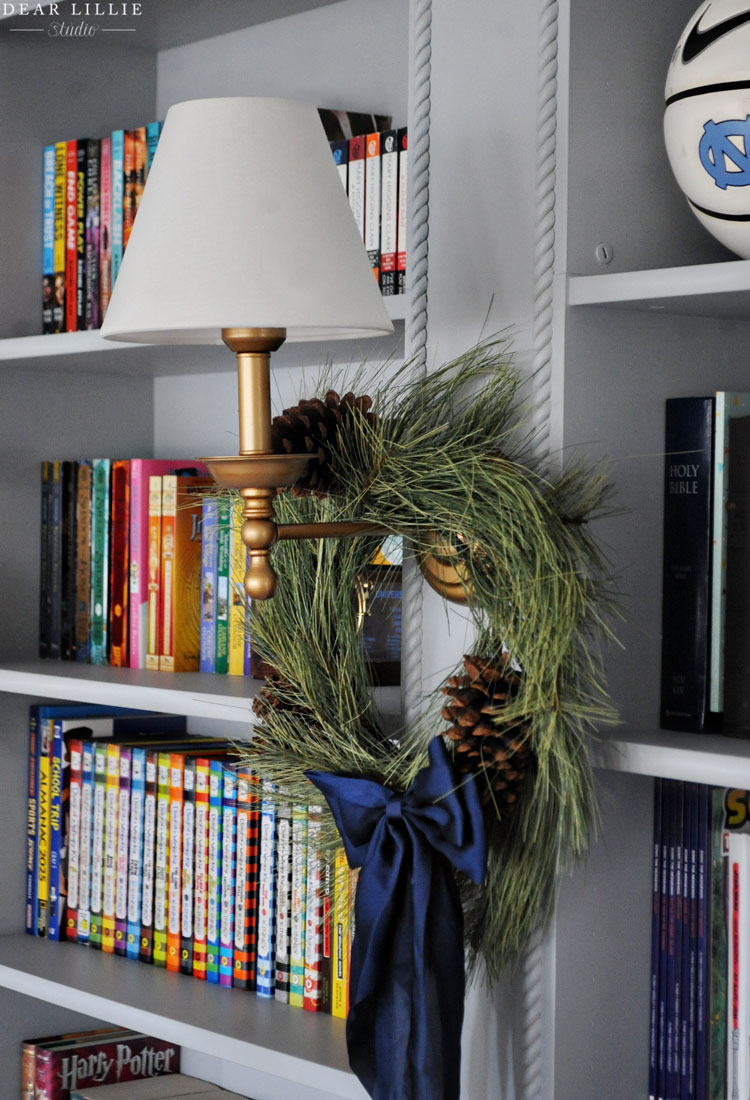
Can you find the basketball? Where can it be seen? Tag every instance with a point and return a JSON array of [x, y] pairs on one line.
[[707, 119]]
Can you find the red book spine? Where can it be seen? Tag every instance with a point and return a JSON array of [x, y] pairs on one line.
[[119, 571]]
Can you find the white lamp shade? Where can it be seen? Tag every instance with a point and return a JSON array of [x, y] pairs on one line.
[[244, 223]]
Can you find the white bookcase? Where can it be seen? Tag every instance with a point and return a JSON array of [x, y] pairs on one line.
[[667, 316]]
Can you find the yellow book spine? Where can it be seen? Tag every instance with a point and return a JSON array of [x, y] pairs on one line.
[[154, 571], [341, 940], [111, 801], [43, 810]]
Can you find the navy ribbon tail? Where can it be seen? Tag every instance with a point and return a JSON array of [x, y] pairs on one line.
[[406, 979]]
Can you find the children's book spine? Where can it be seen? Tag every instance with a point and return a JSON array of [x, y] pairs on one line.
[[223, 577], [123, 851], [689, 941], [188, 866], [119, 581], [674, 941], [97, 844], [228, 875], [340, 152], [75, 785], [135, 851], [31, 825], [357, 182], [341, 935], [100, 561], [283, 901], [403, 189], [151, 788], [213, 898], [55, 566], [137, 549], [653, 1064], [703, 892], [208, 585], [140, 153], [44, 804], [153, 613], [83, 562], [326, 958], [246, 895], [87, 812], [174, 889], [299, 906], [266, 898], [737, 1056], [718, 934], [59, 244], [93, 233], [48, 237], [314, 915], [111, 818], [167, 584], [153, 133], [388, 211], [71, 235], [82, 153], [128, 194], [118, 180], [202, 767], [237, 598], [372, 202], [105, 231], [161, 861]]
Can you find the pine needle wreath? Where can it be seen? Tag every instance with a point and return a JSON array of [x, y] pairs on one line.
[[447, 455]]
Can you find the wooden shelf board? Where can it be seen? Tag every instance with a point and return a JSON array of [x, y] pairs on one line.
[[303, 1048], [719, 290], [694, 757]]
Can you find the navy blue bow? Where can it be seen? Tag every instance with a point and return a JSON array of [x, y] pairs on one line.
[[406, 979]]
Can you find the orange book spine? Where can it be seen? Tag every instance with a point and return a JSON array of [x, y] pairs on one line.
[[185, 568]]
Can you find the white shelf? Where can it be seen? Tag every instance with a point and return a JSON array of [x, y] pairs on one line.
[[67, 348], [694, 757], [302, 1048], [704, 290], [195, 694]]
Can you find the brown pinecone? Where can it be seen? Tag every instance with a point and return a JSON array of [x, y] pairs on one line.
[[311, 428], [273, 694], [497, 752]]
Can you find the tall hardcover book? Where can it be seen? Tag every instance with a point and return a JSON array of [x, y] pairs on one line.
[[730, 633], [105, 225], [388, 211], [69, 477], [82, 612], [372, 202], [92, 271], [55, 567], [403, 196], [59, 245], [181, 572], [119, 585], [45, 559], [100, 475], [686, 595], [48, 238]]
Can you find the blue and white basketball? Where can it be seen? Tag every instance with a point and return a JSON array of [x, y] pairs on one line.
[[707, 119]]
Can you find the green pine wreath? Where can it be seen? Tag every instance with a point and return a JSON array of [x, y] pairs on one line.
[[448, 457]]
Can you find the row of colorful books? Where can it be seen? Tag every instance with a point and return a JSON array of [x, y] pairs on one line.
[[91, 189], [59, 1067], [131, 576], [374, 170], [706, 580], [700, 946], [164, 847]]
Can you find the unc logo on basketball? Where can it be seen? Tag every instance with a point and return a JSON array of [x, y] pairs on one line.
[[723, 152]]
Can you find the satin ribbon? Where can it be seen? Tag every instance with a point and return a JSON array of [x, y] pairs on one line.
[[406, 979]]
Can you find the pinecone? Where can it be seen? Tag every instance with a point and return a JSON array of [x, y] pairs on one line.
[[311, 428], [497, 752], [274, 694]]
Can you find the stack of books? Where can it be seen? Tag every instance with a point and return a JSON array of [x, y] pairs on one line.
[[56, 1067], [91, 189], [700, 946], [163, 847]]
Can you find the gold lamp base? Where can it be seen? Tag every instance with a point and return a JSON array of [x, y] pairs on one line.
[[256, 473]]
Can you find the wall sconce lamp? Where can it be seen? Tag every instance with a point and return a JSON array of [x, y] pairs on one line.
[[245, 236]]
